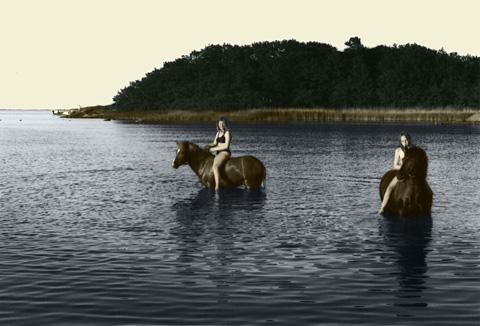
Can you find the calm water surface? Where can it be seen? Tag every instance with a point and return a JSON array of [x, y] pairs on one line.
[[97, 228]]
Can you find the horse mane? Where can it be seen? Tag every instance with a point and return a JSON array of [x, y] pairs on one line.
[[415, 163], [193, 148]]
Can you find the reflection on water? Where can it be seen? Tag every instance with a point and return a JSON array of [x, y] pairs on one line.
[[211, 224], [222, 202], [217, 210], [409, 239]]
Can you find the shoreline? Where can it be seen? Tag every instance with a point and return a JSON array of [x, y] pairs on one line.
[[444, 116]]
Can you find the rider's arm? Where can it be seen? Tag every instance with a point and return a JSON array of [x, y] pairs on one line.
[[209, 146], [222, 146], [396, 164]]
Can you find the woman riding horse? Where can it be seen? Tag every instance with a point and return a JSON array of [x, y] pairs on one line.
[[406, 142], [221, 144], [242, 170]]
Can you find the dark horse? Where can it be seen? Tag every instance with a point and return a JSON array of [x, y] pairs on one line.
[[237, 171], [412, 196]]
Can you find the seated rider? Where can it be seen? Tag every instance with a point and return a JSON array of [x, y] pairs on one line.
[[406, 142], [221, 144]]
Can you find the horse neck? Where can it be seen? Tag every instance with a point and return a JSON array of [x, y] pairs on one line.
[[197, 159]]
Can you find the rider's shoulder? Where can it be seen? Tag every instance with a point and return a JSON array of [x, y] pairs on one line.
[[398, 150]]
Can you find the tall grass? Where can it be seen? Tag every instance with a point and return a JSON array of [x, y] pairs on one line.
[[285, 114]]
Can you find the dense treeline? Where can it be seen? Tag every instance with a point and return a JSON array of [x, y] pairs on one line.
[[292, 74]]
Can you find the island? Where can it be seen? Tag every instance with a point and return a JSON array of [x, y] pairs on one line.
[[291, 80]]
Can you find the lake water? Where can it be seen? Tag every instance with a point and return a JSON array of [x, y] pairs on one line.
[[97, 228]]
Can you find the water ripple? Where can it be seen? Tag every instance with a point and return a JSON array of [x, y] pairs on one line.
[[97, 228]]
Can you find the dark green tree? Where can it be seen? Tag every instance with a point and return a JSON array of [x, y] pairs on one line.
[[294, 74]]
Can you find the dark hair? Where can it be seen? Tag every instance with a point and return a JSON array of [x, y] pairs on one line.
[[408, 138], [226, 123]]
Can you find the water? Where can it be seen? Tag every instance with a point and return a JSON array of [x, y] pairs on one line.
[[98, 228]]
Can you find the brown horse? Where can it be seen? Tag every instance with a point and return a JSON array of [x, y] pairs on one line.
[[237, 171], [412, 196]]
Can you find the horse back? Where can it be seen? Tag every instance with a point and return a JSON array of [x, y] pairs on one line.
[[247, 170], [247, 162], [411, 197]]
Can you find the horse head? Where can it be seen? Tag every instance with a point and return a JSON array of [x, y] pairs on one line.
[[187, 151], [182, 154], [415, 164]]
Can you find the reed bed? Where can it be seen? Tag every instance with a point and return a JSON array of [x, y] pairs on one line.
[[288, 114]]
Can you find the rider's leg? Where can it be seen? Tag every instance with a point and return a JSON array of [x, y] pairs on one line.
[[218, 161], [386, 197]]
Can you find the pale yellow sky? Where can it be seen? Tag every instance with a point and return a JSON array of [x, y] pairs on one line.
[[71, 53]]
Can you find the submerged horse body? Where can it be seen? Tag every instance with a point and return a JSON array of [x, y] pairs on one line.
[[237, 171], [412, 196]]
